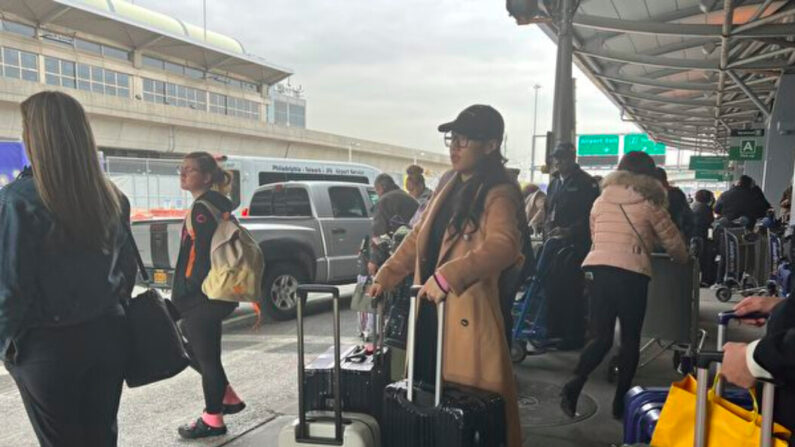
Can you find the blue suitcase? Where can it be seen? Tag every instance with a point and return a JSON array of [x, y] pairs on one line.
[[642, 408]]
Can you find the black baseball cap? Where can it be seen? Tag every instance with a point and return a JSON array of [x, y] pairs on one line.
[[479, 122]]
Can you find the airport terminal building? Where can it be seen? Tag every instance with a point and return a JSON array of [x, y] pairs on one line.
[[154, 86]]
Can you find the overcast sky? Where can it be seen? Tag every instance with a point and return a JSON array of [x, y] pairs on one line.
[[391, 71]]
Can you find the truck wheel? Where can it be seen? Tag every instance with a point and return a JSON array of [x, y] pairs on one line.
[[280, 290]]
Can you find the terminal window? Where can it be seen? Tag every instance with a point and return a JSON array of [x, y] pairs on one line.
[[175, 95], [228, 105], [99, 80], [280, 113], [59, 72], [19, 64]]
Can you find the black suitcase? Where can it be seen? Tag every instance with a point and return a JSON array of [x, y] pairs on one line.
[[364, 377], [449, 416], [362, 381], [397, 315]]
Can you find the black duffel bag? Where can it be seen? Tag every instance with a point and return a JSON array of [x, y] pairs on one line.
[[156, 350]]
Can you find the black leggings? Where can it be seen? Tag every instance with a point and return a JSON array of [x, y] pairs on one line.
[[201, 325], [70, 379], [615, 293]]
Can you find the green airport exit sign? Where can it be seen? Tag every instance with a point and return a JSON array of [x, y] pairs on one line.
[[702, 163], [640, 142], [597, 145]]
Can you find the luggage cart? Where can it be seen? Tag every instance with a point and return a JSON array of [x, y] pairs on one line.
[[529, 334], [739, 252], [671, 321]]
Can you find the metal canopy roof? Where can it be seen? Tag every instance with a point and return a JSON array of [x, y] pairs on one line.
[[143, 29], [686, 71]]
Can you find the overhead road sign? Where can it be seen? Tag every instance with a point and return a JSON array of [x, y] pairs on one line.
[[716, 176], [597, 150], [597, 145], [640, 142], [701, 163], [746, 144]]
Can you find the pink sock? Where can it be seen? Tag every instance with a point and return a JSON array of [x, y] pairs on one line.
[[230, 397], [213, 420]]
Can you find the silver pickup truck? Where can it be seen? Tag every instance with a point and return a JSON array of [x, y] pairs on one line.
[[309, 232]]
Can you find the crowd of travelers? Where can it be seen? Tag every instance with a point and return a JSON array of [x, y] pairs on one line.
[[68, 268]]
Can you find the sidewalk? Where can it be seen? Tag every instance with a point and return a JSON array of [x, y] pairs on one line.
[[539, 380]]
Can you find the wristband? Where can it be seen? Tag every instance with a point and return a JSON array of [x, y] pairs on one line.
[[441, 282]]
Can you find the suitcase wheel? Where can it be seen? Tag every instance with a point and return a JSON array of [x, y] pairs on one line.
[[723, 294]]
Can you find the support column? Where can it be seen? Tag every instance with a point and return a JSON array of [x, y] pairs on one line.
[[755, 169], [563, 106], [779, 161]]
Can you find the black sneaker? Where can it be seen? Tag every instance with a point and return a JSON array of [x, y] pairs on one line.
[[569, 396], [234, 408], [199, 429]]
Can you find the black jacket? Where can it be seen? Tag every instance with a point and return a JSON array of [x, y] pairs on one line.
[[43, 285], [742, 202], [681, 213], [193, 263], [393, 209], [776, 354], [703, 218], [569, 205]]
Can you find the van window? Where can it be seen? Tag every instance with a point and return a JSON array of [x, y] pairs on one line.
[[346, 202], [282, 202]]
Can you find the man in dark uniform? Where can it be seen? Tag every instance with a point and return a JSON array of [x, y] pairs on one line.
[[570, 196]]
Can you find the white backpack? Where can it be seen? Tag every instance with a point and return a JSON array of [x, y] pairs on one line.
[[236, 261]]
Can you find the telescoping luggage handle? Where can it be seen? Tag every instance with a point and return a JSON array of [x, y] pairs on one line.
[[724, 318], [410, 346], [303, 433], [703, 361]]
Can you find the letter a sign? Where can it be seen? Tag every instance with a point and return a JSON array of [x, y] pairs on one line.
[[746, 144]]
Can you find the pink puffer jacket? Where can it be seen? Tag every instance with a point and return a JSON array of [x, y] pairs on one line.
[[615, 244]]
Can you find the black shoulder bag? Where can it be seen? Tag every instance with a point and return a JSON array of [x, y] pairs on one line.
[[156, 349]]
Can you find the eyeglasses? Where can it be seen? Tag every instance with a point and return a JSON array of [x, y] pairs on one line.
[[457, 140], [186, 170]]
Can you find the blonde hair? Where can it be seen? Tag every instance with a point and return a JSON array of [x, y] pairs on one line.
[[66, 170], [221, 178]]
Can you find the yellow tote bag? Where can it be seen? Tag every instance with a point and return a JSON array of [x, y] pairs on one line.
[[729, 425]]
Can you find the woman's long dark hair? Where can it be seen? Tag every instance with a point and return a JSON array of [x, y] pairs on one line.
[[471, 198]]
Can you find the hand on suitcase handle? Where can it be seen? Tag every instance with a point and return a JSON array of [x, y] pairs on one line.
[[725, 317]]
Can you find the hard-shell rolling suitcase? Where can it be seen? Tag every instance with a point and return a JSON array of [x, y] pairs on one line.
[[450, 416], [323, 427], [364, 376], [642, 410]]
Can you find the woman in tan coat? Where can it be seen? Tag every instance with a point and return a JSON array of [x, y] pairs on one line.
[[626, 221], [469, 234]]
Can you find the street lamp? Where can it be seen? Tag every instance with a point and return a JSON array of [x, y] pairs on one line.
[[533, 146]]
